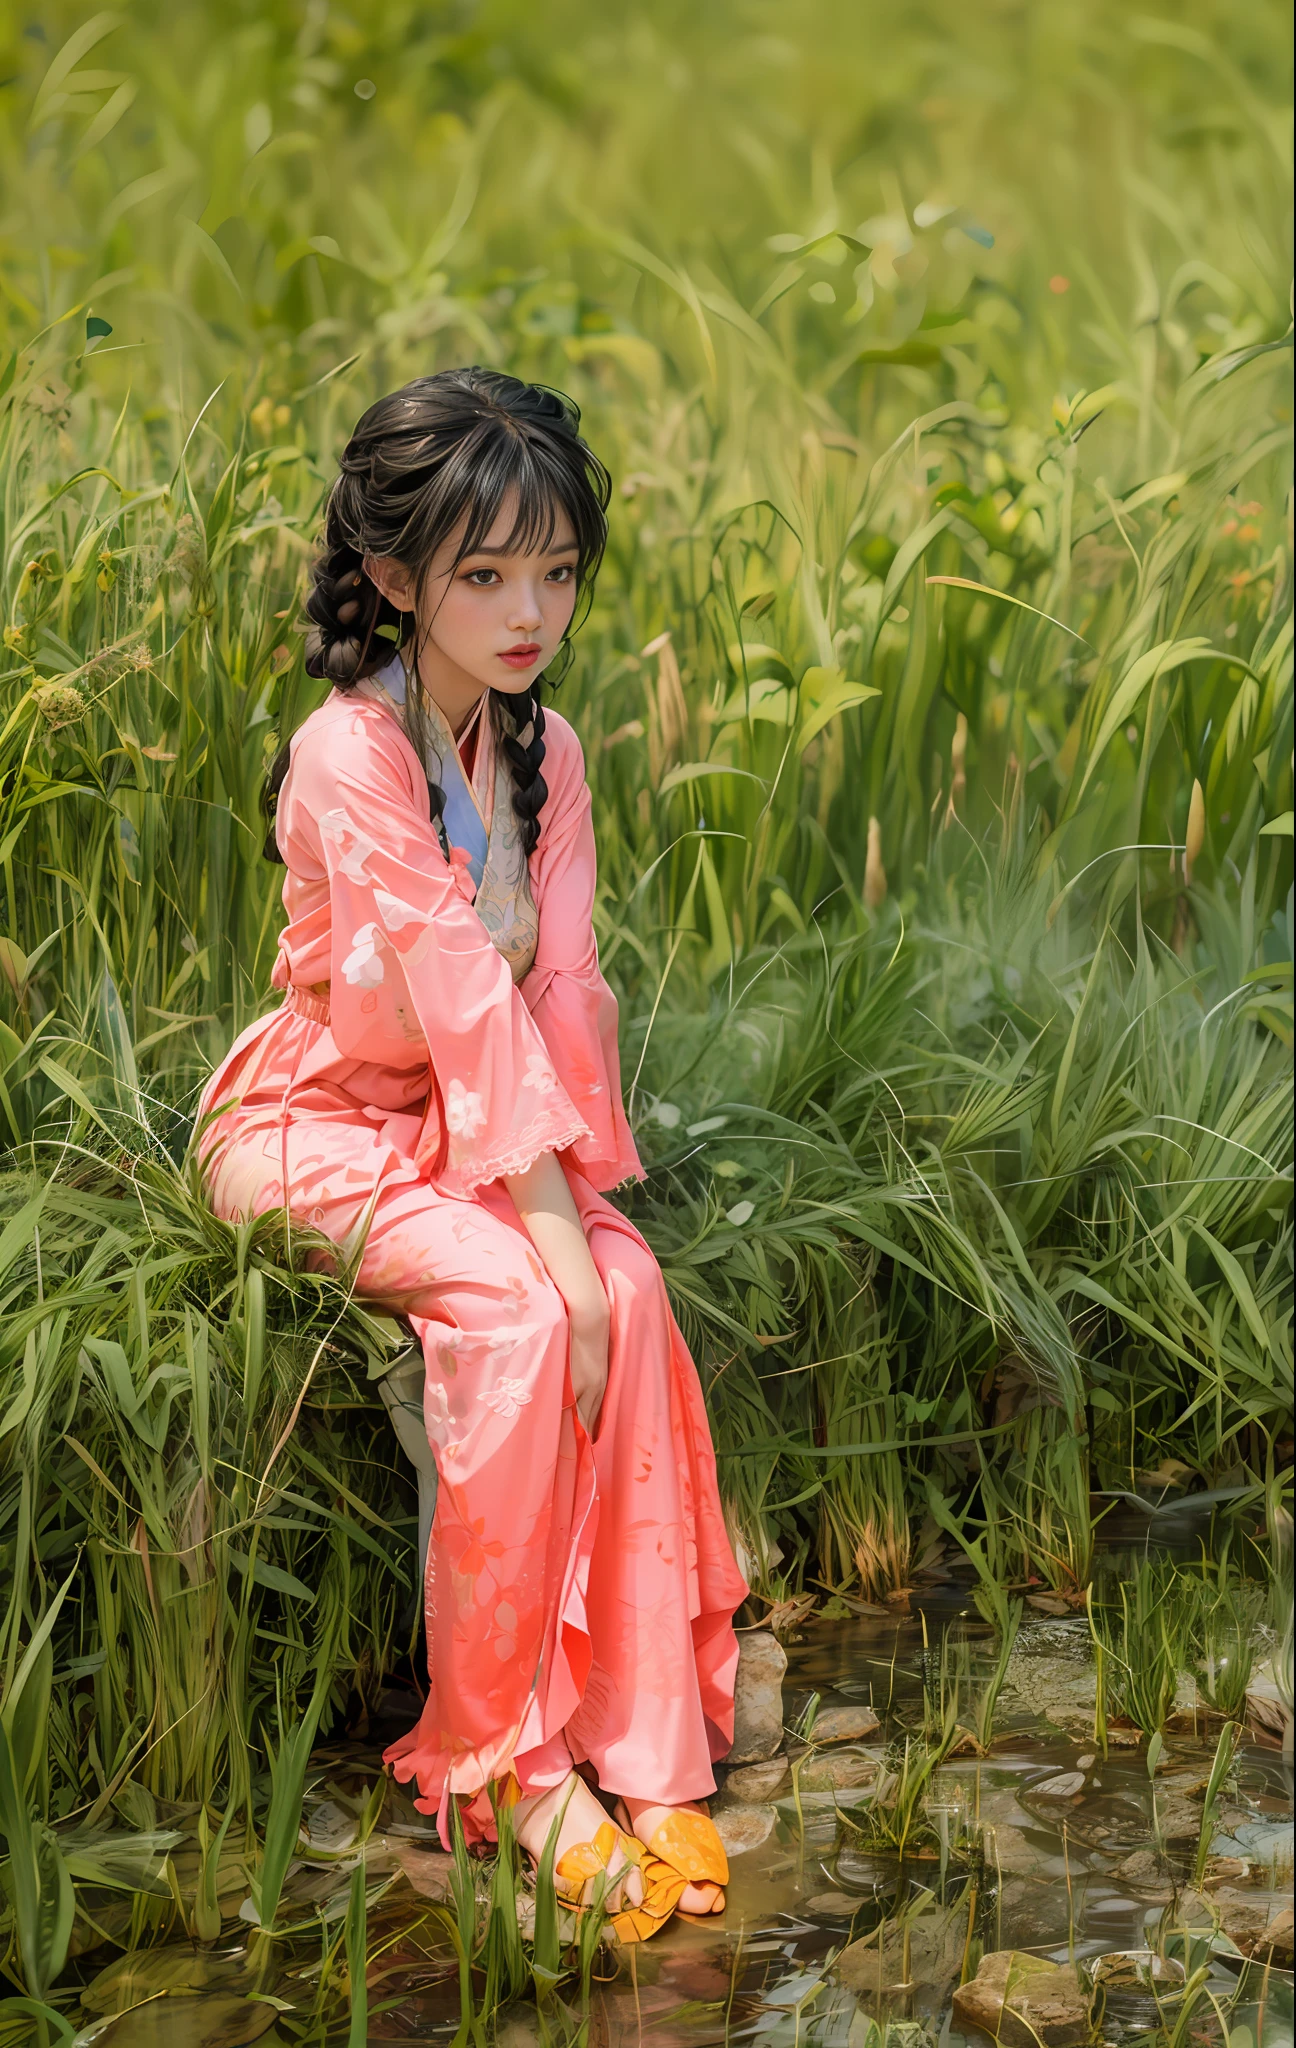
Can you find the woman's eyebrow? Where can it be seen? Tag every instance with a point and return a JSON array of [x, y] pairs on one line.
[[558, 547]]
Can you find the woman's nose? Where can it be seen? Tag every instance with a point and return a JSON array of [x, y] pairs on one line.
[[525, 615]]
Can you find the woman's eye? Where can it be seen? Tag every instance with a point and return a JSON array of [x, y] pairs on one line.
[[561, 575], [483, 578]]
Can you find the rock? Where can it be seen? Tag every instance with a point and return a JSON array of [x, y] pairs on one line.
[[1276, 1943], [758, 1698], [1013, 1852], [428, 1870], [1143, 1871], [841, 1773], [844, 1724], [876, 1963], [741, 1828], [755, 1783], [1256, 1929], [217, 2021], [1025, 2002], [833, 1905], [1067, 1785], [1179, 1818]]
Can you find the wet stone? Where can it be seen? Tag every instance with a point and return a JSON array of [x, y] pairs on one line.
[[832, 1905], [1015, 1855], [205, 2021], [758, 1698], [741, 1828], [845, 1724], [1256, 1926], [428, 1870], [1024, 2002], [842, 1773], [1067, 1785], [755, 1783], [1179, 1818], [1142, 1872], [876, 1963]]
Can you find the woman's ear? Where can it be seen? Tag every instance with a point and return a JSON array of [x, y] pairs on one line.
[[393, 579]]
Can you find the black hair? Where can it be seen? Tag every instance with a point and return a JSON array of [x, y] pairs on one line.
[[442, 456]]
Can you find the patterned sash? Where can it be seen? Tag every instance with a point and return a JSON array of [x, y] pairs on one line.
[[479, 828]]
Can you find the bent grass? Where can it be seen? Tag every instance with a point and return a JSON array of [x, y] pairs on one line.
[[937, 705]]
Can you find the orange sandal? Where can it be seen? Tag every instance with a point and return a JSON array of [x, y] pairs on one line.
[[587, 1860], [685, 1849]]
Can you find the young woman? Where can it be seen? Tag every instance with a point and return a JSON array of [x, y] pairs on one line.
[[441, 1087]]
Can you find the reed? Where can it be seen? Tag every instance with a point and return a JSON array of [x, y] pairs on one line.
[[937, 702]]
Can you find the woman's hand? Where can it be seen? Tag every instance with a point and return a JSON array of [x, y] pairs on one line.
[[544, 1202]]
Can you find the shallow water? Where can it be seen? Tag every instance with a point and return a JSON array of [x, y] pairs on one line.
[[1026, 1866]]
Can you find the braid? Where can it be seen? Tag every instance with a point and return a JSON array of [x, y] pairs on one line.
[[346, 610], [524, 750]]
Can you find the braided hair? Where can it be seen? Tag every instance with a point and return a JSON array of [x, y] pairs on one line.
[[436, 459]]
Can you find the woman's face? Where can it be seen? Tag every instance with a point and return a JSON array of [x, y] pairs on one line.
[[491, 621]]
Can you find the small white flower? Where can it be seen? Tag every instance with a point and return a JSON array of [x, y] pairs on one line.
[[464, 1112], [396, 913], [363, 966], [742, 1212], [352, 848], [506, 1397], [539, 1074]]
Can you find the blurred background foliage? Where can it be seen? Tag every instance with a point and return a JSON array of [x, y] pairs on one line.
[[952, 925]]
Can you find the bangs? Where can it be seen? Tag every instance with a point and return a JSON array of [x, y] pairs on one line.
[[495, 466]]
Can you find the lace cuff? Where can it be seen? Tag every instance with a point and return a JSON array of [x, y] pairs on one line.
[[550, 1131]]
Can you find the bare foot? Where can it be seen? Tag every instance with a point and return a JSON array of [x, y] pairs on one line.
[[582, 1817], [644, 1820]]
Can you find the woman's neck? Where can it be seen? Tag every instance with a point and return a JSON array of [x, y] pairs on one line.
[[456, 694]]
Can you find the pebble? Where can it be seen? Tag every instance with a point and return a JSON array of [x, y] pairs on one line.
[[1065, 1786], [832, 1905], [844, 1724], [741, 1828], [755, 1783]]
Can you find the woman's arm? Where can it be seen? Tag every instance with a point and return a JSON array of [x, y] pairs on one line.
[[565, 991], [544, 1202]]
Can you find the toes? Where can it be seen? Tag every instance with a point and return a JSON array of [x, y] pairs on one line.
[[701, 1899]]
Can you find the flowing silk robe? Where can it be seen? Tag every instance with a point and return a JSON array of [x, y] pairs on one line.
[[578, 1593]]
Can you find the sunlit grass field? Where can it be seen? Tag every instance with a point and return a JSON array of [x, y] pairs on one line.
[[937, 705]]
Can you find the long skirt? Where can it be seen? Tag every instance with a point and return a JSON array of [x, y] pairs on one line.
[[579, 1592]]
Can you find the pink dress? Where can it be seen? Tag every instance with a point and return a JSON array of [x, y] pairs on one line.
[[579, 1594]]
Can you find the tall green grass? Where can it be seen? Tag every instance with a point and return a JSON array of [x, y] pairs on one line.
[[952, 925]]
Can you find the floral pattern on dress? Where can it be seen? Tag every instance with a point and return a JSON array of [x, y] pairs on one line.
[[464, 1112], [363, 967], [506, 1397], [573, 1590]]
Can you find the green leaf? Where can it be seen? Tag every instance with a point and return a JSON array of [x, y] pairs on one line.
[[270, 1576], [693, 771], [827, 693]]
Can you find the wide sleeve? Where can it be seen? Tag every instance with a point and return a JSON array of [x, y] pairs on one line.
[[565, 991], [413, 972]]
